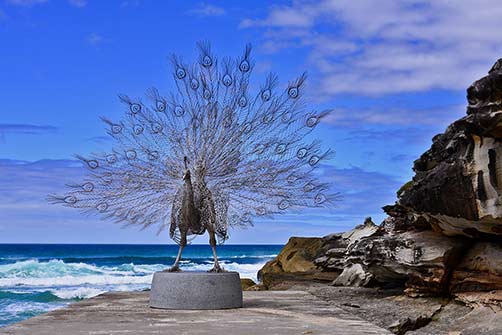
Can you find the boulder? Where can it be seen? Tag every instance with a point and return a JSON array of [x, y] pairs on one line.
[[296, 262], [247, 283]]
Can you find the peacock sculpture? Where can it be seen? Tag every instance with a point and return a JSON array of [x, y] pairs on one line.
[[209, 156]]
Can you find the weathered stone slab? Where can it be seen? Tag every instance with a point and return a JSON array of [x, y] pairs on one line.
[[265, 312], [196, 290]]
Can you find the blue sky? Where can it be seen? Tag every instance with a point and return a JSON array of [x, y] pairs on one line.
[[395, 75]]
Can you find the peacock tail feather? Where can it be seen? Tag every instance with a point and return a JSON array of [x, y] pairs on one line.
[[247, 151]]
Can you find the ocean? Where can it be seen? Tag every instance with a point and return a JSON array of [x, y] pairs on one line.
[[36, 278]]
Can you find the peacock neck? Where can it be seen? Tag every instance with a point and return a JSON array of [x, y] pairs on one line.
[[189, 189]]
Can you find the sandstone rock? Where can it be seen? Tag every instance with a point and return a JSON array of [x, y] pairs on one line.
[[444, 233], [296, 256], [492, 299], [480, 269], [333, 259], [458, 181], [353, 275], [296, 262], [247, 283], [368, 228], [421, 260], [483, 315]]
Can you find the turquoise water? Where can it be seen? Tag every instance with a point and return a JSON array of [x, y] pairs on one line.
[[36, 278]]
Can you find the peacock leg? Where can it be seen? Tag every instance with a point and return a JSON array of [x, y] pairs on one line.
[[183, 243], [212, 242]]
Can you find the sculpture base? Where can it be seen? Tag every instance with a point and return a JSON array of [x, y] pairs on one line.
[[196, 290]]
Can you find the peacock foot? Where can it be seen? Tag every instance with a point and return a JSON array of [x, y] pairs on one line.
[[173, 269], [217, 269]]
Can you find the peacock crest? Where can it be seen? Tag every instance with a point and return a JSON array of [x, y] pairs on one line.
[[208, 156]]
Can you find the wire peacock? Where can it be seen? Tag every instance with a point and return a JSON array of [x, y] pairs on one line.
[[208, 156]]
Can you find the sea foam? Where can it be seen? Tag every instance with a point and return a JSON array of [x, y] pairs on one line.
[[58, 273]]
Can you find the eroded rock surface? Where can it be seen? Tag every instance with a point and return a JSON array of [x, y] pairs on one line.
[[296, 262], [444, 233], [480, 269], [458, 181]]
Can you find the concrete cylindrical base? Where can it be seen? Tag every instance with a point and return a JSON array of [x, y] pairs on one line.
[[196, 290]]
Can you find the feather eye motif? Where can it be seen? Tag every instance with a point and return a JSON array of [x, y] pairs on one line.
[[111, 159], [194, 84], [88, 187], [244, 151], [138, 129], [135, 108], [161, 106]]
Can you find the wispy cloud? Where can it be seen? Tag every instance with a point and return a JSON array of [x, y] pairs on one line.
[[363, 192], [401, 116], [402, 134], [27, 129], [100, 139], [26, 3], [396, 46], [78, 3], [205, 9], [25, 186], [283, 16], [95, 39]]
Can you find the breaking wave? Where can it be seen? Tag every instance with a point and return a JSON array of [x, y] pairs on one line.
[[33, 285]]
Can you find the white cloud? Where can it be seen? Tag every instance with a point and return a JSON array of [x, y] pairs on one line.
[[364, 47], [204, 9], [78, 3], [95, 39], [26, 3], [397, 116], [283, 16]]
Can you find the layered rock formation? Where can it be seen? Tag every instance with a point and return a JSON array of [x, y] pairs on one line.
[[458, 181], [444, 234]]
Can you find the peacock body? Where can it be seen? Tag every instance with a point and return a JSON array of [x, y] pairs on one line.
[[208, 156]]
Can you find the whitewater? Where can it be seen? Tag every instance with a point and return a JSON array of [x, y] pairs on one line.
[[38, 278]]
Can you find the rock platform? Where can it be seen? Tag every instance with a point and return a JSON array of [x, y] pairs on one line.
[[267, 312]]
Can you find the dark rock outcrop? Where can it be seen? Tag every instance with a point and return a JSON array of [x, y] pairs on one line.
[[444, 234], [458, 181]]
